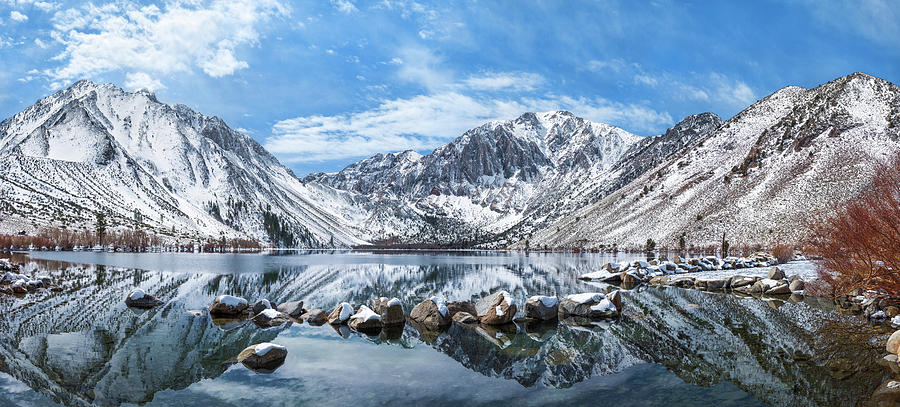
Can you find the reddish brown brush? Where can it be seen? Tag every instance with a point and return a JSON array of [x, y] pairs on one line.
[[859, 245], [783, 252]]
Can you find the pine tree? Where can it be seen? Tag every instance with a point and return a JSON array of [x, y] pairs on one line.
[[100, 226]]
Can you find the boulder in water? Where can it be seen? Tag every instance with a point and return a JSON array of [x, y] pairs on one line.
[[263, 356], [365, 320], [775, 273], [542, 307], [340, 314], [465, 318], [390, 310], [228, 305], [268, 318], [432, 313], [293, 309], [139, 299], [496, 309], [316, 317], [587, 305], [461, 306], [260, 305]]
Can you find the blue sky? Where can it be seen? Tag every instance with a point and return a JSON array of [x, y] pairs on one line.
[[322, 84]]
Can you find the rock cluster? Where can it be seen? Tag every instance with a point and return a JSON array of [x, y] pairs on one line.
[[774, 283], [642, 271], [11, 282]]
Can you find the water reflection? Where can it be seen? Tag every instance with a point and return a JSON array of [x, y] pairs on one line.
[[82, 346]]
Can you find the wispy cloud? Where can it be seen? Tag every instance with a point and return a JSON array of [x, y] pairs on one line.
[[149, 40], [426, 121], [17, 16], [711, 86], [876, 20], [495, 81]]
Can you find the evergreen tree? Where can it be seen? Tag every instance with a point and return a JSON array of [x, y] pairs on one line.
[[100, 226]]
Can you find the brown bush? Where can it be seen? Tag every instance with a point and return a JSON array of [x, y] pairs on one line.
[[859, 245], [783, 252]]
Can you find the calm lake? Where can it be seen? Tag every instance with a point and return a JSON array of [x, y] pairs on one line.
[[672, 347]]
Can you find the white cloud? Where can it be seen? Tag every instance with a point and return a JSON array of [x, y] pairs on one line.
[[17, 16], [876, 20], [426, 121], [344, 6], [179, 37], [710, 87], [141, 80], [493, 81]]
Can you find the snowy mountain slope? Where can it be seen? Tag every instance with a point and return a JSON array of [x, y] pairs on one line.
[[758, 178], [487, 177], [96, 147], [505, 179]]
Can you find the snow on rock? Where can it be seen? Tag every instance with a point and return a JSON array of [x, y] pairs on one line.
[[393, 302], [136, 294], [546, 300], [441, 305], [365, 314], [264, 348], [231, 301], [271, 313], [585, 298], [603, 306]]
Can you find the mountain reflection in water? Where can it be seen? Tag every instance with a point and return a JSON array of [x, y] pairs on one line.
[[82, 346]]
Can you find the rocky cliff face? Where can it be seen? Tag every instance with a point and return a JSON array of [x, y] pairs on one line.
[[759, 178], [95, 147]]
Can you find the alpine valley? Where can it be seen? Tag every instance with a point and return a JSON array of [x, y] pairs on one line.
[[547, 179]]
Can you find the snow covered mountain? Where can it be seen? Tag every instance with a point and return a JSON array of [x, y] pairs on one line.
[[498, 182], [759, 178], [165, 168]]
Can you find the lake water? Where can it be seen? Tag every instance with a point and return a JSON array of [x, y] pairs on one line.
[[673, 347]]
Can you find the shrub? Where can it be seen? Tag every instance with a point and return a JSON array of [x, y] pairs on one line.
[[859, 245], [784, 253]]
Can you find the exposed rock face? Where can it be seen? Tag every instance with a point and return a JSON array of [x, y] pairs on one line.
[[341, 314], [432, 313], [228, 305], [139, 299], [316, 316], [463, 317], [263, 356], [587, 305], [260, 305], [293, 309], [390, 310], [542, 307], [496, 309], [798, 285], [365, 320]]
